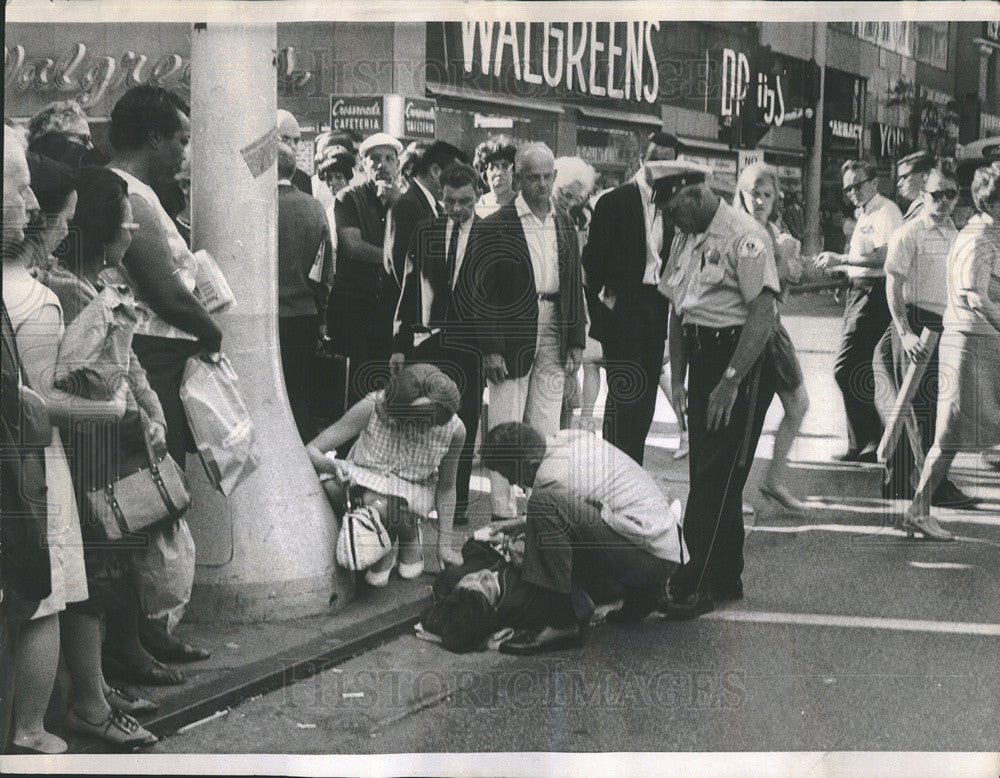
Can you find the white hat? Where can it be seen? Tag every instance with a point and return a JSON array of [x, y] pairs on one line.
[[379, 139]]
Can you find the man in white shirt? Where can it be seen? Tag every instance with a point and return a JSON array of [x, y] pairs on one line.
[[593, 515], [866, 314], [917, 289], [525, 298]]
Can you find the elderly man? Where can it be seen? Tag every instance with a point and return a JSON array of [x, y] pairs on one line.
[[723, 284], [360, 213], [911, 175], [305, 258], [289, 132], [917, 290], [150, 132], [866, 314], [594, 515], [628, 245], [526, 300]]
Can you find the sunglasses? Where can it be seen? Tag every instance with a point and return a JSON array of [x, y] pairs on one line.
[[856, 185], [943, 194]]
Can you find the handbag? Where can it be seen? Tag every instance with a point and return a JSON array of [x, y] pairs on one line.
[[142, 499], [363, 540]]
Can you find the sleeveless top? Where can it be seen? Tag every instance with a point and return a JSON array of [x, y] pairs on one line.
[[398, 460]]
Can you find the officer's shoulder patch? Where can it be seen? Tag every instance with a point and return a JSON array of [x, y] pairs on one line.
[[750, 245]]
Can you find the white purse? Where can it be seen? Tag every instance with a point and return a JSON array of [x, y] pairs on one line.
[[363, 540]]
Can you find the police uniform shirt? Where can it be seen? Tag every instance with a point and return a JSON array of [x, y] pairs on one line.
[[876, 221], [712, 277], [918, 253]]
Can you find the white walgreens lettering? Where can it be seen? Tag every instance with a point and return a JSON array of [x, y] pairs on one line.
[[570, 55]]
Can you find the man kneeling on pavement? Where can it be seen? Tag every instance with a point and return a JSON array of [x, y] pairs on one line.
[[594, 518]]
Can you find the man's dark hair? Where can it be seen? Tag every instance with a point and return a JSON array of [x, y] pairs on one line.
[[661, 138], [494, 148], [144, 108], [511, 442], [440, 153], [98, 216], [463, 619], [866, 167], [458, 175]]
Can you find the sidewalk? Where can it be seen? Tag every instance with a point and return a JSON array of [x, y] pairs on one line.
[[251, 659]]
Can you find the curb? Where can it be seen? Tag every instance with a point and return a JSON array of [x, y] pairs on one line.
[[276, 672]]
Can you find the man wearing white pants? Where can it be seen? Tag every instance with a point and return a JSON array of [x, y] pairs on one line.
[[525, 301]]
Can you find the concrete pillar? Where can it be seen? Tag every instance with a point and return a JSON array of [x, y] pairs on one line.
[[813, 238], [266, 552]]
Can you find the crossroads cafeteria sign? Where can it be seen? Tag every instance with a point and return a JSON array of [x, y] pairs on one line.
[[402, 117]]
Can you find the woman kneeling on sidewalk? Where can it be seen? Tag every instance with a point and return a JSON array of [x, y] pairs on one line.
[[403, 463]]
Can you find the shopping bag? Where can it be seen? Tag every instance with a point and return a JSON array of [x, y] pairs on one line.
[[96, 346], [211, 287], [220, 423], [165, 572]]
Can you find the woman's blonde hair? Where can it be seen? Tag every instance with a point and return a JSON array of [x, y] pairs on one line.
[[751, 175]]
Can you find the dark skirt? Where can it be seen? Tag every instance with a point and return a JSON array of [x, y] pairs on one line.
[[99, 453], [781, 352]]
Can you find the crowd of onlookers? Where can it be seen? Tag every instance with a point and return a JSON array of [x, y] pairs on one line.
[[424, 281]]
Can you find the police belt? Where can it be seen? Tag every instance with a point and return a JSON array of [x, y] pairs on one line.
[[708, 337]]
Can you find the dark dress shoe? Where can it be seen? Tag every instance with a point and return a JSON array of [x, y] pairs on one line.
[[687, 606], [138, 671], [541, 640], [168, 648], [868, 457], [947, 495], [460, 521], [851, 455]]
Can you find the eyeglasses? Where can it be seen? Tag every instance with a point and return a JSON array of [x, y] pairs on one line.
[[943, 194], [856, 185]]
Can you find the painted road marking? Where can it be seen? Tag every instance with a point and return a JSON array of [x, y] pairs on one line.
[[940, 565], [857, 622]]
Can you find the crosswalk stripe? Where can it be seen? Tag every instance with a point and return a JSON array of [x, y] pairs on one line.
[[861, 622]]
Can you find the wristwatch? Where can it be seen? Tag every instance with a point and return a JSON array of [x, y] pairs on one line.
[[730, 373]]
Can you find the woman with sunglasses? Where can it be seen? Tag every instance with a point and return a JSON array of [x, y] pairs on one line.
[[968, 408], [757, 191], [866, 314]]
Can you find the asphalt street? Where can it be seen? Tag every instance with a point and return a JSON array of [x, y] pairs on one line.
[[850, 638]]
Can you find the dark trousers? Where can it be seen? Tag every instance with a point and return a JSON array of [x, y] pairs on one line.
[[890, 366], [357, 331], [297, 337], [464, 367], [633, 359], [164, 359], [865, 318], [719, 462], [567, 545]]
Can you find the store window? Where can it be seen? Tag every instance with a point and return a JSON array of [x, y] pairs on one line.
[[932, 43]]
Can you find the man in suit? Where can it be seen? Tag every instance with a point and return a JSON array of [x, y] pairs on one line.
[[289, 132], [305, 258], [417, 204], [624, 256], [524, 296], [427, 325]]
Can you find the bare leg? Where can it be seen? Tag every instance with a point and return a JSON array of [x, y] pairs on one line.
[[918, 516], [795, 404], [35, 660], [591, 389], [81, 647]]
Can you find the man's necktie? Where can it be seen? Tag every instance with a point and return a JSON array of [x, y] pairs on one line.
[[668, 238], [442, 296], [451, 258]]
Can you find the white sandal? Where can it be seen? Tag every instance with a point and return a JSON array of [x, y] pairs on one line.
[[410, 570]]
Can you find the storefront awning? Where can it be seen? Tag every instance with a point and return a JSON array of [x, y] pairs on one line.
[[620, 116], [442, 90]]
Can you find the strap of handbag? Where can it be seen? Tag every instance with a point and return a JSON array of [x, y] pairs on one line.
[[35, 427]]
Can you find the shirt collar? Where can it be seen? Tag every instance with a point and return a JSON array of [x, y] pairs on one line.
[[930, 224], [872, 205], [523, 209], [644, 188], [430, 198]]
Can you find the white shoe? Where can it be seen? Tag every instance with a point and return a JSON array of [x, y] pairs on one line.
[[375, 575], [410, 570]]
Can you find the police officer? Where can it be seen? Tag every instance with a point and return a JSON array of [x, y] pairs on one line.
[[723, 285]]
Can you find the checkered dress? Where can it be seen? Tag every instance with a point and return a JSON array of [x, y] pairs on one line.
[[394, 460]]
